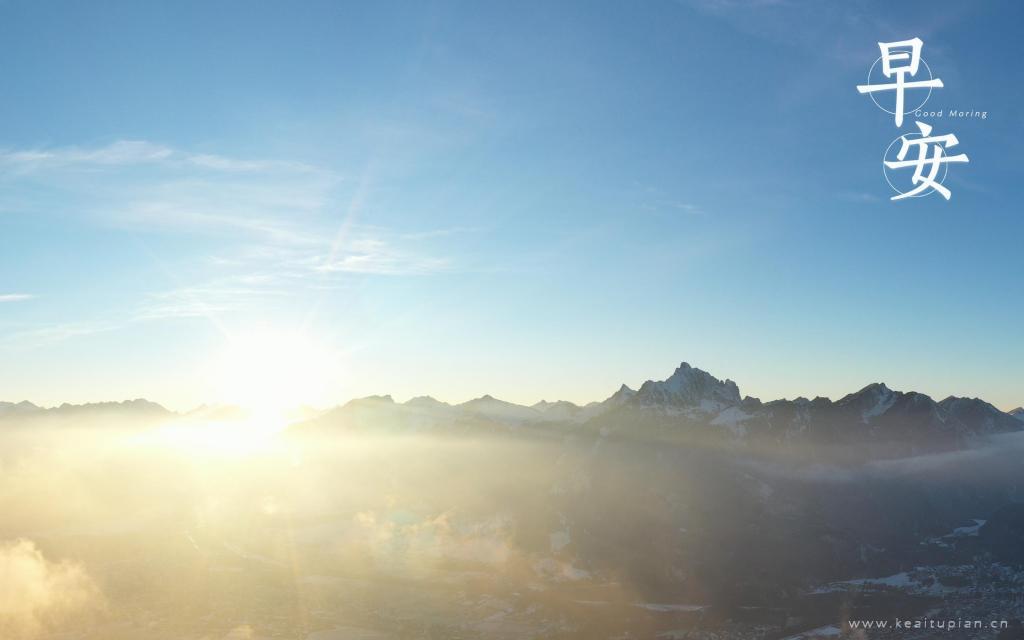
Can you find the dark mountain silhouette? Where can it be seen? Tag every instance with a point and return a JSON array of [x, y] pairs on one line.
[[874, 422]]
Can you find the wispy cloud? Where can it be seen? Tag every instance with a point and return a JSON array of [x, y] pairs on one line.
[[656, 200], [212, 298], [147, 186], [247, 281], [221, 163], [685, 207], [123, 152], [377, 256], [438, 233], [136, 152], [42, 335], [258, 275], [269, 228]]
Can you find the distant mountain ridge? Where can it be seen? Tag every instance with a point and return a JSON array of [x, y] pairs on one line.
[[904, 423], [690, 401], [139, 405]]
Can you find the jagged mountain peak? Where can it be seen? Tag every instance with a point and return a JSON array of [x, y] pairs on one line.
[[953, 402], [877, 387], [689, 387], [900, 423], [872, 391], [1018, 413], [982, 416], [624, 393], [872, 401], [959, 407]]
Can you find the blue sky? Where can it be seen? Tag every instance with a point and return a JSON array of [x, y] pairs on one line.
[[532, 200]]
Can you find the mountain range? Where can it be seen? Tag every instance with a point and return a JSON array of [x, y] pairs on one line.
[[875, 421], [741, 512], [691, 402], [138, 407]]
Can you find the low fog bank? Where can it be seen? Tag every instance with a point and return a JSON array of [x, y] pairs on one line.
[[215, 531]]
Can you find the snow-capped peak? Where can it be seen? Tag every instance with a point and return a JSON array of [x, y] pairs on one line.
[[872, 401], [882, 400], [689, 387]]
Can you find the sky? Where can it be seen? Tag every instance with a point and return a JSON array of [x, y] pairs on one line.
[[531, 200]]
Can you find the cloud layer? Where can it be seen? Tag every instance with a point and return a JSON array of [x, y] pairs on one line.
[[36, 593]]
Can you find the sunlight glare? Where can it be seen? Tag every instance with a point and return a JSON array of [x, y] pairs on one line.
[[271, 373]]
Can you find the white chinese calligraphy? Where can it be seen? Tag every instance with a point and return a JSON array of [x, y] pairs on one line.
[[931, 155], [925, 153], [900, 59]]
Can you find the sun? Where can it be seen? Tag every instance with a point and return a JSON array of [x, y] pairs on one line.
[[272, 376], [270, 373]]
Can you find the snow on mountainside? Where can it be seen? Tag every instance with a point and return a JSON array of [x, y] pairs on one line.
[[694, 401], [690, 401], [973, 411], [871, 401], [689, 388]]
